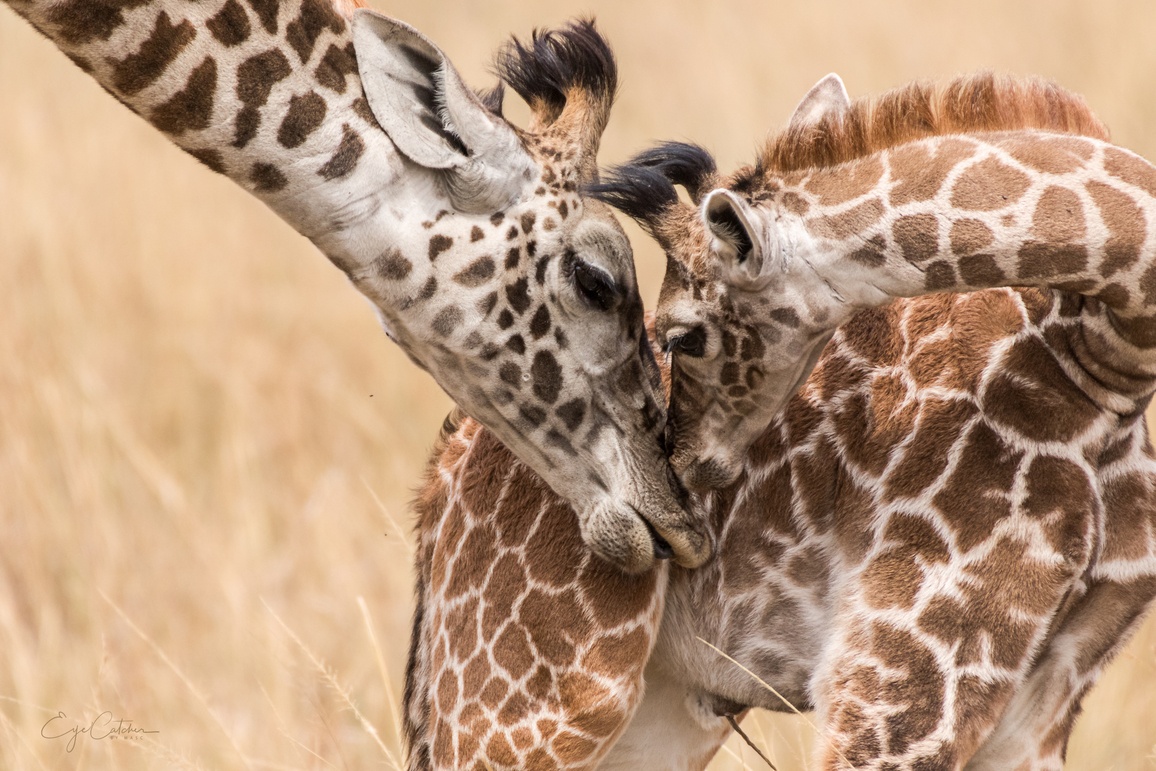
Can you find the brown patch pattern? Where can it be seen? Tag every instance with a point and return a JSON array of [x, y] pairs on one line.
[[82, 21], [1131, 169], [266, 11], [834, 187], [918, 171], [1050, 155], [141, 69], [256, 77], [315, 17], [336, 66], [230, 25], [969, 236], [917, 236], [846, 224], [305, 115], [345, 157], [1127, 229], [988, 185], [267, 178], [1059, 216], [191, 108]]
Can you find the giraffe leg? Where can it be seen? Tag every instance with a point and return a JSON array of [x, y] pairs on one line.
[[888, 706], [1033, 732], [917, 675]]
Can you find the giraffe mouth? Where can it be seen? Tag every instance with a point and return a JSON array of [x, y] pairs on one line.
[[662, 549]]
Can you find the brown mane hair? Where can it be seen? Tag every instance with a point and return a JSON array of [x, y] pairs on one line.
[[968, 104]]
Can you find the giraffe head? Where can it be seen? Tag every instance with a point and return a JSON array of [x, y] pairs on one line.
[[516, 292], [767, 262], [724, 336], [742, 334]]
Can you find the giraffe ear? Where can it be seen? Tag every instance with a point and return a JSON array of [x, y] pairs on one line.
[[827, 98], [421, 102], [734, 240]]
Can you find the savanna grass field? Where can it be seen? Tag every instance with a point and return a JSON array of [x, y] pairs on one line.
[[208, 447]]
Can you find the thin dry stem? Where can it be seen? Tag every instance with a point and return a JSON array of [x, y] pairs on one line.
[[180, 675], [771, 688], [330, 678], [390, 696]]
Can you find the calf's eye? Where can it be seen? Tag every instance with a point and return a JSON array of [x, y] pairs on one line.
[[692, 343]]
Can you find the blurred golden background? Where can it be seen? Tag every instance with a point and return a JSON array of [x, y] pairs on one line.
[[207, 447]]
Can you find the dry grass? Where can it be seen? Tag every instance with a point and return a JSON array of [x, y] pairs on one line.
[[207, 446]]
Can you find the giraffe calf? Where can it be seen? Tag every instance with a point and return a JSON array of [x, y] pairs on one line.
[[895, 557], [940, 539]]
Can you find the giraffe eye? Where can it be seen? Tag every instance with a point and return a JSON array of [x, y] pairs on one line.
[[692, 344], [594, 285]]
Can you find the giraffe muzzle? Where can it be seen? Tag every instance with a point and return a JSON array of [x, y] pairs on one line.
[[676, 539], [619, 533]]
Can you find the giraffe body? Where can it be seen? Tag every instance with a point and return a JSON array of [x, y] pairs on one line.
[[467, 234], [895, 556], [949, 529]]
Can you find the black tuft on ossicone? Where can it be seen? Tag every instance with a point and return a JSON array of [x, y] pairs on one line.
[[682, 163], [643, 187], [555, 62], [639, 192]]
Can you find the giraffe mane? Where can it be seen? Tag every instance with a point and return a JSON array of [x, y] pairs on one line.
[[972, 103]]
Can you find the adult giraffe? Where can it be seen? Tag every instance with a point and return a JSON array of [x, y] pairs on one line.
[[937, 545], [468, 235]]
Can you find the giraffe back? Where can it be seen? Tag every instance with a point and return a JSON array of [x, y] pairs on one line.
[[968, 104]]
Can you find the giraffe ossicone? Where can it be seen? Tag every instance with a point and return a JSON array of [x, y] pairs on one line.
[[826, 101], [469, 235], [937, 545]]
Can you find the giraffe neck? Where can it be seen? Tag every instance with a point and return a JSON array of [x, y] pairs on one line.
[[264, 91], [1022, 208], [499, 561]]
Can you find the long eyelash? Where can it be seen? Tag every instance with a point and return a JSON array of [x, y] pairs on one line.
[[607, 289]]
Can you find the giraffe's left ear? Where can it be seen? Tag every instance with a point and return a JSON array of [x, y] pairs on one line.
[[827, 99], [734, 241], [420, 100]]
